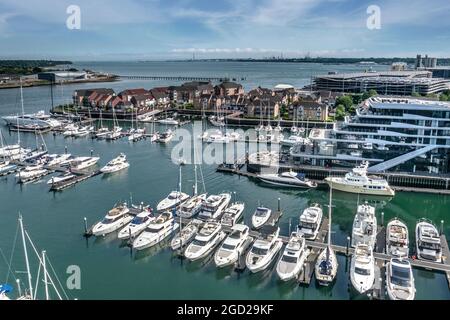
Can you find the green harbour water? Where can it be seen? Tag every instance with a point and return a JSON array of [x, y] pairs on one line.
[[110, 271]]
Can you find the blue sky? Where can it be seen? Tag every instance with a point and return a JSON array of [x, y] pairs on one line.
[[171, 29]]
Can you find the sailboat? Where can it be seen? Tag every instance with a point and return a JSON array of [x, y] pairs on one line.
[[135, 133], [101, 131], [116, 131], [327, 265], [5, 166]]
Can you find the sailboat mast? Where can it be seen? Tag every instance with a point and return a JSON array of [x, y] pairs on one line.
[[329, 218], [47, 296], [27, 263], [21, 96]]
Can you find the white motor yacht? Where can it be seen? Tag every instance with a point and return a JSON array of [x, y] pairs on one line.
[[38, 120], [166, 136], [208, 238], [233, 246], [290, 179], [156, 231], [428, 242], [174, 199], [357, 181], [185, 236], [116, 218], [11, 150], [214, 206], [232, 214], [58, 159], [260, 217], [80, 163], [137, 225], [31, 173], [83, 131], [102, 132], [310, 221], [169, 120], [70, 130], [264, 249], [397, 238], [136, 134], [364, 226], [61, 178], [191, 207], [362, 269], [293, 258], [400, 280], [116, 164]]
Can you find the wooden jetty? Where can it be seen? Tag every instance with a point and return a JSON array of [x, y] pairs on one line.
[[178, 78]]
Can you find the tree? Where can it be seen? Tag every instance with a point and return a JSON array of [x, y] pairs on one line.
[[415, 94], [444, 97], [346, 101], [340, 112]]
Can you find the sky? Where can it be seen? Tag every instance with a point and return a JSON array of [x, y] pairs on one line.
[[179, 29]]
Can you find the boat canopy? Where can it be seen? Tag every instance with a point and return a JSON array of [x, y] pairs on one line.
[[5, 288]]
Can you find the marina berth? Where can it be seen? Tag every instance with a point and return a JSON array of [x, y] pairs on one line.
[[156, 231], [174, 199], [233, 246], [116, 218], [357, 181], [137, 225], [233, 214], [364, 226], [116, 164], [397, 238], [260, 217], [264, 250], [428, 242], [192, 206], [206, 240], [310, 221], [290, 179], [214, 206], [186, 235], [80, 163], [362, 269], [293, 258], [400, 280], [170, 121]]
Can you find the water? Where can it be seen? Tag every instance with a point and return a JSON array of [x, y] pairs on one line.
[[110, 271]]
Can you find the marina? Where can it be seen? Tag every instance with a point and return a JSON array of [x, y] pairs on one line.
[[106, 256]]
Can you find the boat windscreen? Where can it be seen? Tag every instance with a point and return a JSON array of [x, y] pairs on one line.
[[400, 276], [362, 271], [228, 246], [325, 267], [259, 251], [261, 212], [289, 259]]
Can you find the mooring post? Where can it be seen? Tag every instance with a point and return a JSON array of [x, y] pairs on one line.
[[279, 205], [290, 221], [442, 227], [193, 190], [129, 234], [234, 194], [92, 152], [382, 218], [85, 225], [65, 149], [348, 246]]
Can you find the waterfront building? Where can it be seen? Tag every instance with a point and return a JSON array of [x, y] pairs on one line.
[[308, 110], [387, 83], [392, 133], [61, 76], [425, 62], [81, 97]]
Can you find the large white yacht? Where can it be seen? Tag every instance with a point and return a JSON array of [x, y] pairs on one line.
[[357, 181], [400, 280], [260, 217], [428, 242], [364, 226], [114, 133], [214, 206], [362, 269], [116, 218], [233, 246], [191, 207], [264, 249], [61, 178], [166, 136], [309, 222], [233, 214], [58, 159], [137, 225], [116, 164], [293, 258], [31, 173], [287, 179], [39, 120], [208, 238], [80, 163], [156, 231], [397, 238], [174, 199]]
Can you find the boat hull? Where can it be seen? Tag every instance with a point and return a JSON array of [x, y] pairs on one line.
[[358, 189]]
